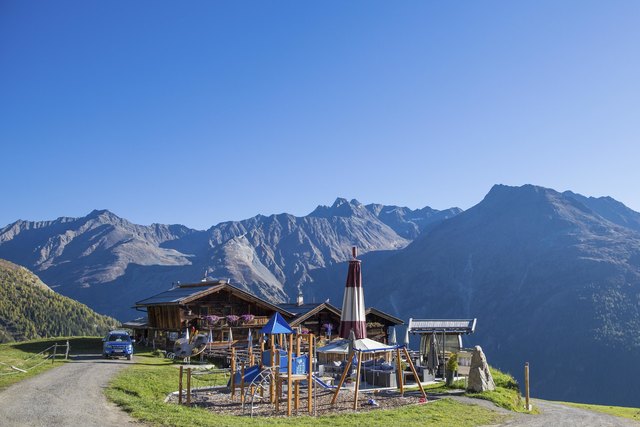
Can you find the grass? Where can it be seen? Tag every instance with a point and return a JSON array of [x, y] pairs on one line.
[[21, 355], [506, 395], [142, 388], [618, 411]]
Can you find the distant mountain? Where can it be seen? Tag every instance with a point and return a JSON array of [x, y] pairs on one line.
[[554, 279], [30, 309], [410, 223], [101, 257]]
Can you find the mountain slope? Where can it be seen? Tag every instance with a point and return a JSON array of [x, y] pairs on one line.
[[94, 258], [550, 280], [30, 309]]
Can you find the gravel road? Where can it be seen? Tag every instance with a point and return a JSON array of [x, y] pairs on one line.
[[557, 415], [553, 415], [68, 395]]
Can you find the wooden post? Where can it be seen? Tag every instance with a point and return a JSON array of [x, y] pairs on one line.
[[297, 393], [180, 387], [233, 372], [272, 352], [188, 386], [399, 375], [310, 374], [55, 352], [278, 385], [526, 385], [355, 394], [343, 377], [242, 383], [289, 373], [66, 353], [415, 372]]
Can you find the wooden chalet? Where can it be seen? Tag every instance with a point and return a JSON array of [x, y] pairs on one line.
[[230, 312]]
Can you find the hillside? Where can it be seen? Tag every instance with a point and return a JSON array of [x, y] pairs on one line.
[[100, 255], [30, 309], [551, 280]]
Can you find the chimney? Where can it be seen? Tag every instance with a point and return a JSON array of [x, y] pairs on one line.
[[300, 299], [354, 252]]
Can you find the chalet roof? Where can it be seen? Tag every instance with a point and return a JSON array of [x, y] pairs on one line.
[[304, 311], [425, 326], [185, 293], [391, 319], [140, 322]]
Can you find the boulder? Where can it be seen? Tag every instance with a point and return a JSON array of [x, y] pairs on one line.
[[480, 378]]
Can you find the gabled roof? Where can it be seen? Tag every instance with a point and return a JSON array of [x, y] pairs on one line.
[[304, 311], [425, 326], [186, 293], [390, 318]]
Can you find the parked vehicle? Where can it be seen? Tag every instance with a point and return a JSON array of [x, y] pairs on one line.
[[117, 344]]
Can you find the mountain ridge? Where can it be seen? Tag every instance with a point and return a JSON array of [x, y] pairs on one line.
[[272, 256]]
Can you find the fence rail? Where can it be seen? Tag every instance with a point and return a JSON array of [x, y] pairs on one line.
[[49, 353]]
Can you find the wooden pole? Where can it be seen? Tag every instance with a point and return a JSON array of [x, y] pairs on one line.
[[399, 376], [415, 372], [180, 387], [272, 353], [289, 373], [66, 353], [278, 385], [188, 386], [355, 394], [242, 383], [310, 337], [55, 352], [233, 372], [343, 377], [526, 385], [297, 393]]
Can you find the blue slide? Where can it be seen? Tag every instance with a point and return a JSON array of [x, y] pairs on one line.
[[249, 375], [322, 383]]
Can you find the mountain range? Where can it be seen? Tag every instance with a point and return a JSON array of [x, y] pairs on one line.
[[108, 263], [553, 278]]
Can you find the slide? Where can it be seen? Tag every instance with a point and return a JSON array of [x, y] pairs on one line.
[[322, 383], [249, 375]]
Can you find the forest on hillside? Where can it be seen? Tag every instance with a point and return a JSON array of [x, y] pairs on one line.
[[30, 309]]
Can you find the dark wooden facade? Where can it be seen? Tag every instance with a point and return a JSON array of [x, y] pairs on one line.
[[170, 313]]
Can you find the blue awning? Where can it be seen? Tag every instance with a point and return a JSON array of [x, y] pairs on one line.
[[276, 325]]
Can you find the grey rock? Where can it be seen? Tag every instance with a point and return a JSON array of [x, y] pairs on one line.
[[480, 378]]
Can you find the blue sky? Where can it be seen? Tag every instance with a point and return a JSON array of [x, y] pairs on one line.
[[201, 112]]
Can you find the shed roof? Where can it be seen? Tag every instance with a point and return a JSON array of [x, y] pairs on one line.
[[425, 326]]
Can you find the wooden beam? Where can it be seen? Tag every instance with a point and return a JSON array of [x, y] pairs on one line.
[[310, 373], [415, 372], [399, 376], [342, 378], [355, 394], [289, 372]]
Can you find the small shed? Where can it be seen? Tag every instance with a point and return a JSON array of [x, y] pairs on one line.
[[447, 332]]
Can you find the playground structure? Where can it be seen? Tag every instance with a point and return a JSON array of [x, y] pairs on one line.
[[278, 365], [371, 347], [282, 369]]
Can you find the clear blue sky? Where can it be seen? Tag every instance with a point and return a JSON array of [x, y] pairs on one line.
[[200, 112]]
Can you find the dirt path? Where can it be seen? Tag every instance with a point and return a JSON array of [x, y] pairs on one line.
[[553, 415], [68, 395]]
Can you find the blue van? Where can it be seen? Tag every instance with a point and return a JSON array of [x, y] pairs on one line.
[[117, 344]]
